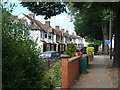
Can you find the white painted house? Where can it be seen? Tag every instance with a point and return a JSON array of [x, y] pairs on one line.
[[48, 38]]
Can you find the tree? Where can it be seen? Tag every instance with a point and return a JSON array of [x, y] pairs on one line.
[[45, 8], [70, 50], [88, 27], [93, 22], [103, 10], [117, 36]]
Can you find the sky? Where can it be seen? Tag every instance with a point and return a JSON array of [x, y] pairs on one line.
[[62, 20]]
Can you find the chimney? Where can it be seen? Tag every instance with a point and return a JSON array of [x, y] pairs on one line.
[[66, 31], [51, 29], [47, 23], [63, 30], [57, 27], [73, 33], [32, 15]]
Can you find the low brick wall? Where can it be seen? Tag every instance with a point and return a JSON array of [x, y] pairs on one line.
[[70, 70]]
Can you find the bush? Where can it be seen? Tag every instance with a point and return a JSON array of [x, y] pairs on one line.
[[53, 77], [70, 50], [95, 47], [90, 50], [20, 64]]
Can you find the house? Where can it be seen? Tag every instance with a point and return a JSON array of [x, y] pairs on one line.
[[44, 33], [66, 37], [48, 38], [58, 40]]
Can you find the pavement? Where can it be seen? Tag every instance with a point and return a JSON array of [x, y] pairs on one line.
[[98, 75]]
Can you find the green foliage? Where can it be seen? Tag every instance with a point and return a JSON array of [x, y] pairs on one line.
[[88, 25], [90, 50], [20, 64], [45, 8], [88, 22], [53, 77], [70, 50], [95, 47]]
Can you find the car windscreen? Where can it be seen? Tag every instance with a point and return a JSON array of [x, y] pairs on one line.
[[77, 50], [46, 55]]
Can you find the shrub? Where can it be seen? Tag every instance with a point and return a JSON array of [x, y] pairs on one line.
[[95, 47], [53, 77], [90, 50], [20, 64], [70, 50]]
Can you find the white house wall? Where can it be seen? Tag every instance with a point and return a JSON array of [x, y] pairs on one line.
[[35, 35]]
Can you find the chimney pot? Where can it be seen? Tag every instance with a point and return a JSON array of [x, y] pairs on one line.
[[47, 23], [57, 27], [66, 31], [62, 30], [51, 29], [32, 15]]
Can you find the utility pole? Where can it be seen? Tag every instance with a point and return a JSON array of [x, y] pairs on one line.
[[110, 34]]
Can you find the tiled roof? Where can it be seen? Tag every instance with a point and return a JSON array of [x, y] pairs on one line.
[[57, 32], [34, 27], [38, 23], [66, 34], [78, 37], [73, 36]]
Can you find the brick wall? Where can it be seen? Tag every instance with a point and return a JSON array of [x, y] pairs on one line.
[[70, 70]]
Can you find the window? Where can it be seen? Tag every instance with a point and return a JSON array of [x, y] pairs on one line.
[[41, 34], [60, 47], [58, 38], [50, 36], [52, 47], [45, 35], [48, 47]]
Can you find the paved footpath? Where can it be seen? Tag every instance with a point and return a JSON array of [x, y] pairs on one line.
[[97, 76]]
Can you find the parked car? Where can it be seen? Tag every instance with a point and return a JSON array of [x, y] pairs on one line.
[[78, 52], [50, 55], [83, 50]]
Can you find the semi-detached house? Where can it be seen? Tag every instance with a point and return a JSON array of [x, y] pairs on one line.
[[49, 38]]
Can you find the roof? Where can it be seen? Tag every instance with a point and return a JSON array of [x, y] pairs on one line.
[[39, 24], [57, 32], [45, 28], [75, 37], [66, 34], [34, 27]]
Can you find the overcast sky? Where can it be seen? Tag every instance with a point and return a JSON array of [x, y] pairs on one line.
[[62, 20]]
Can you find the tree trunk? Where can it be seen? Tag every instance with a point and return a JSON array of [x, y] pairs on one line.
[[117, 38], [105, 37], [103, 46]]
